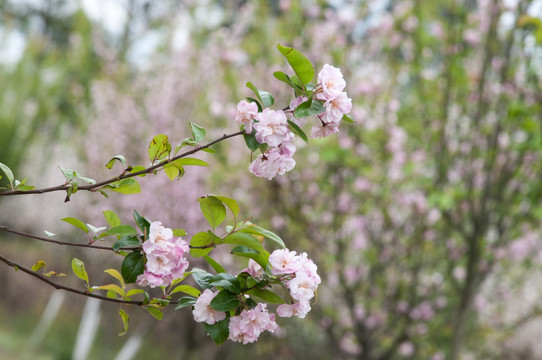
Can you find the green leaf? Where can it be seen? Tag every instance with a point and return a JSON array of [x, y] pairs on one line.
[[250, 140], [86, 179], [126, 241], [187, 289], [48, 233], [125, 321], [125, 186], [348, 119], [135, 292], [219, 331], [213, 210], [142, 222], [266, 295], [229, 202], [279, 75], [77, 223], [155, 312], [95, 229], [185, 301], [40, 264], [188, 161], [179, 232], [69, 174], [138, 168], [225, 300], [249, 99], [78, 268], [197, 132], [117, 276], [132, 266], [226, 281], [254, 229], [265, 97], [171, 171], [120, 230], [7, 171], [111, 287], [245, 239], [299, 63], [159, 148], [216, 266], [247, 252], [111, 218], [298, 131], [202, 243], [201, 277], [118, 158], [309, 108]]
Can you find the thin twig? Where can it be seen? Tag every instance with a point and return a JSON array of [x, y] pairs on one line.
[[58, 242], [96, 186]]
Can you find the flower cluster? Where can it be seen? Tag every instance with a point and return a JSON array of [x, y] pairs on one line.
[[203, 312], [302, 286], [272, 129], [247, 326], [165, 257]]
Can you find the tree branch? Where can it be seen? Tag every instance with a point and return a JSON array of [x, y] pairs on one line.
[[94, 187], [66, 243]]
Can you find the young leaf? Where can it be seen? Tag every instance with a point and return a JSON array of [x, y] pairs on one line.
[[159, 148], [256, 230], [142, 222], [188, 161], [48, 233], [197, 132], [213, 210], [126, 241], [111, 287], [185, 301], [279, 75], [187, 289], [299, 63], [125, 321], [155, 312], [125, 186], [40, 264], [202, 243], [348, 119], [134, 292], [225, 300], [265, 97], [171, 171], [8, 172], [219, 331], [298, 131], [77, 223], [118, 158], [132, 266], [111, 218], [309, 108], [232, 204], [117, 276], [95, 229], [266, 295], [120, 230], [179, 232], [69, 174], [78, 268]]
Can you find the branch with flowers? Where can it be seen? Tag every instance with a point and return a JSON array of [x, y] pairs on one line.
[[230, 305]]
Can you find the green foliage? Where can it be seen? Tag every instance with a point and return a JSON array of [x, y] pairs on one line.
[[78, 268], [302, 67], [219, 331], [132, 266]]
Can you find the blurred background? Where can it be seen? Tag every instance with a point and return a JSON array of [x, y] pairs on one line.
[[424, 218]]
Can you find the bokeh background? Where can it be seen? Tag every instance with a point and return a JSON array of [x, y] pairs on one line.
[[424, 217]]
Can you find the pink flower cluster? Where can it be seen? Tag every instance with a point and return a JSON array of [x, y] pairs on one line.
[[303, 284], [248, 326], [165, 257], [272, 128], [337, 103]]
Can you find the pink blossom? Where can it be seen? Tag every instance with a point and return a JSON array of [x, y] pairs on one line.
[[165, 257], [271, 163], [203, 312], [337, 107], [246, 112], [324, 130], [248, 326], [332, 82], [299, 309], [272, 127], [406, 348], [284, 261]]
